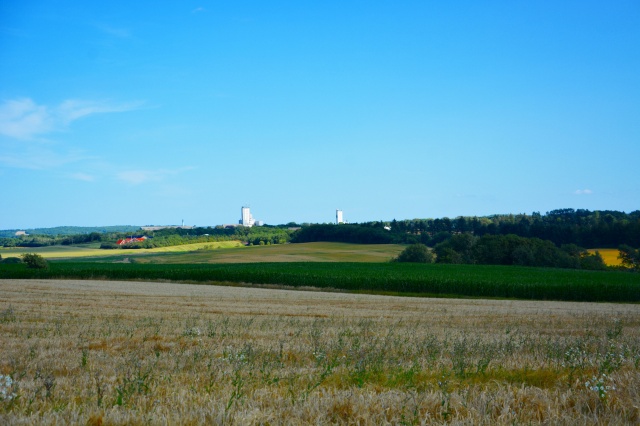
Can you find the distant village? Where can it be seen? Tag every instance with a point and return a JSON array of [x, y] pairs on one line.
[[246, 219]]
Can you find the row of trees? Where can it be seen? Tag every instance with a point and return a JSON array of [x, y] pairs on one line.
[[583, 228], [503, 250], [564, 226], [41, 240], [257, 235], [71, 230], [357, 234], [515, 250]]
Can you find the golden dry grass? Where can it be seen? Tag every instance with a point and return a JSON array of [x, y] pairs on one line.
[[93, 250], [610, 256], [98, 352]]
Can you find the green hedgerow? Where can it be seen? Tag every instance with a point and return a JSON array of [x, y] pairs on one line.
[[35, 261]]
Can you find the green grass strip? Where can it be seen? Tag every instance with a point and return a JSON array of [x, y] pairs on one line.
[[432, 279]]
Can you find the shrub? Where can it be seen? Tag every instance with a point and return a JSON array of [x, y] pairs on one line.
[[592, 261], [11, 260], [629, 257], [416, 253], [34, 261], [109, 246]]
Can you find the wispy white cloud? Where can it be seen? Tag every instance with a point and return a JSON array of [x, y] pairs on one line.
[[83, 176], [583, 192], [23, 119], [40, 159], [198, 10], [137, 177], [73, 109]]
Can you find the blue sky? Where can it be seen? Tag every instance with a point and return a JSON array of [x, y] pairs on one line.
[[152, 112]]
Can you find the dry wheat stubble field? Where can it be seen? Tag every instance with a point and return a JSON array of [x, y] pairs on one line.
[[99, 352]]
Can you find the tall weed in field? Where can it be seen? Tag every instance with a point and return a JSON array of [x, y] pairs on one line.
[[247, 365]]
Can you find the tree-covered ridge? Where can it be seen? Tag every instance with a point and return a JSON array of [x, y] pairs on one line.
[[514, 250], [367, 233], [70, 230], [585, 228], [257, 235], [566, 226]]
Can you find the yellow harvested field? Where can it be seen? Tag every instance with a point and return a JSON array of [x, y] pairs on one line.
[[610, 256], [100, 352], [93, 250]]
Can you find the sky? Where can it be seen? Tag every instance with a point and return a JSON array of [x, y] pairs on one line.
[[141, 113]]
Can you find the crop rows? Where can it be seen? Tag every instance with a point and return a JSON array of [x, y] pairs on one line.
[[451, 280]]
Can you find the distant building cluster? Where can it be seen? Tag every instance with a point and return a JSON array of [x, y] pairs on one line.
[[246, 219]]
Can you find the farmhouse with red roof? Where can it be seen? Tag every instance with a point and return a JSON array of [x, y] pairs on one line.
[[130, 240]]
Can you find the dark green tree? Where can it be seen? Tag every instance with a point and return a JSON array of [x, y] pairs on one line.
[[592, 261], [416, 253], [35, 261], [629, 257]]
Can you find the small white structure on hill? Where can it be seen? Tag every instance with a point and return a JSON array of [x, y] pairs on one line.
[[246, 218], [339, 218]]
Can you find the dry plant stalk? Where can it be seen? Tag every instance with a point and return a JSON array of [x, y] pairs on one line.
[[98, 352]]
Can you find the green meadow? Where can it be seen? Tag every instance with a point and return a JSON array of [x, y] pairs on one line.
[[304, 252]]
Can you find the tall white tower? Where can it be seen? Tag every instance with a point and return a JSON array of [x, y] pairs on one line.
[[339, 219], [246, 218]]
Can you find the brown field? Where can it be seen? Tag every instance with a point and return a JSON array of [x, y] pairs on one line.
[[302, 252], [98, 352]]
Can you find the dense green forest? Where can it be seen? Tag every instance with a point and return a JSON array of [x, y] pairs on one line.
[[70, 230], [566, 226], [512, 249]]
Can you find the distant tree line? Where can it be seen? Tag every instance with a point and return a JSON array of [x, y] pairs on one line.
[[256, 235], [70, 230], [38, 240], [514, 250], [357, 234], [583, 228], [555, 239], [564, 226]]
